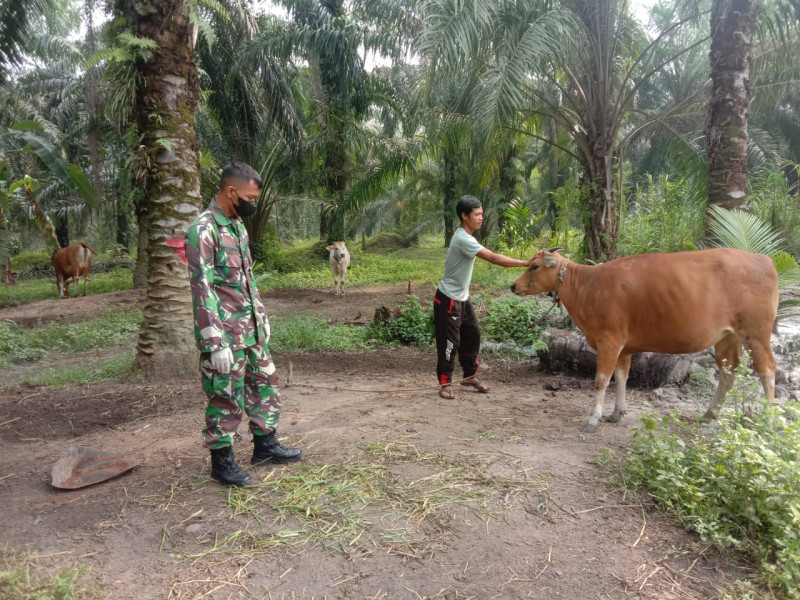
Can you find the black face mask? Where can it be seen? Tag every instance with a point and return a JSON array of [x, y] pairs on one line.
[[244, 208]]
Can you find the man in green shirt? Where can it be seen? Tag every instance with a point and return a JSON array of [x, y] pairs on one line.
[[457, 331], [232, 330]]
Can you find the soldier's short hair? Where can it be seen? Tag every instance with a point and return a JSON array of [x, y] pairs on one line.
[[466, 205], [239, 172]]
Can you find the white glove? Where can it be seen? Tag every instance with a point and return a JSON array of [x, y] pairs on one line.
[[222, 360]]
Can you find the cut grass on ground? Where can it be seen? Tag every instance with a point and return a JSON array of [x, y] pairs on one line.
[[391, 498]]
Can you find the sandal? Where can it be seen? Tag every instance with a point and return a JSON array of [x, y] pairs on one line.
[[478, 385], [446, 392]]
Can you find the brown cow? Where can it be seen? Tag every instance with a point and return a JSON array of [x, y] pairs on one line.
[[670, 303], [70, 263]]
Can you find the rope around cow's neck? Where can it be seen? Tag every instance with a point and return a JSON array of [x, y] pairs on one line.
[[562, 274]]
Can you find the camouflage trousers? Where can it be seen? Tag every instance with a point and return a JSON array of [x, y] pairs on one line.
[[251, 387]]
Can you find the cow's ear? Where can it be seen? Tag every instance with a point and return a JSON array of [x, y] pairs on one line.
[[555, 249], [549, 259], [328, 247]]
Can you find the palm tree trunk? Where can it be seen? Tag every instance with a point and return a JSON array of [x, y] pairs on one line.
[[602, 225], [9, 277], [508, 184], [140, 268], [449, 199], [165, 109], [43, 224], [123, 230], [331, 226], [91, 103], [732, 24], [62, 230]]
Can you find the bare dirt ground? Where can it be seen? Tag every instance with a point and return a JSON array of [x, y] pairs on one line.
[[483, 496]]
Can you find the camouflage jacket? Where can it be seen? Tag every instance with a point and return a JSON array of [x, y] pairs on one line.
[[227, 307]]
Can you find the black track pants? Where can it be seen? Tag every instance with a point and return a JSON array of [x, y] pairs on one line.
[[457, 333]]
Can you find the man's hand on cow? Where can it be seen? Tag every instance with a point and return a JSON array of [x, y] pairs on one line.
[[222, 360]]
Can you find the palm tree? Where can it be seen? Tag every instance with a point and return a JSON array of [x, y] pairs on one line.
[[168, 172], [331, 38], [590, 88], [248, 112], [732, 27]]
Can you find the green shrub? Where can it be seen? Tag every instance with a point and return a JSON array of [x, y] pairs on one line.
[[773, 201], [384, 242], [311, 334], [663, 216], [739, 487], [413, 325], [513, 318]]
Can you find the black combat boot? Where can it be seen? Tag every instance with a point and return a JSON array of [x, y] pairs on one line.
[[225, 470], [267, 449]]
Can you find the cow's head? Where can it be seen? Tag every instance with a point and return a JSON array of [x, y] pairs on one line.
[[338, 250], [541, 275]]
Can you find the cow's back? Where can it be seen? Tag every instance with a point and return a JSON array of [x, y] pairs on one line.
[[679, 302], [73, 260]]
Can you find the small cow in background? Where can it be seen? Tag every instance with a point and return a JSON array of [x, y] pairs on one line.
[[70, 263], [340, 260]]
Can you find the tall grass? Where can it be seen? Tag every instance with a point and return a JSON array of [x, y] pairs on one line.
[[662, 216]]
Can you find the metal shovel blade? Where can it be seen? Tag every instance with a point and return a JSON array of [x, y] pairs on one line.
[[81, 466]]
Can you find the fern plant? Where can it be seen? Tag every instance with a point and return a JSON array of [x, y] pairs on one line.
[[746, 231]]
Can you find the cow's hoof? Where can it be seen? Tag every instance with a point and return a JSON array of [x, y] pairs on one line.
[[615, 416], [708, 416], [588, 428]]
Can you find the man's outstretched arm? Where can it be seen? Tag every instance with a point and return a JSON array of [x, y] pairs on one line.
[[501, 259]]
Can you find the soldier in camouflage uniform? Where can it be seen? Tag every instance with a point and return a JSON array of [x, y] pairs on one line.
[[232, 330]]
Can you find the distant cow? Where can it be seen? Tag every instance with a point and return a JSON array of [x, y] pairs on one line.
[[70, 263], [670, 303], [340, 260]]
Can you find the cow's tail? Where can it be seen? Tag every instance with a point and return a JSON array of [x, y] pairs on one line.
[[88, 247]]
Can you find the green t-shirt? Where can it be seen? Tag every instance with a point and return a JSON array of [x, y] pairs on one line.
[[458, 265]]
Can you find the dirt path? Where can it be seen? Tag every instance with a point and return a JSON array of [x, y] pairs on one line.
[[484, 496]]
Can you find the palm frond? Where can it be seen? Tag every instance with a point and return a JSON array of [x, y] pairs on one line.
[[16, 20], [742, 230], [502, 90], [788, 269]]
